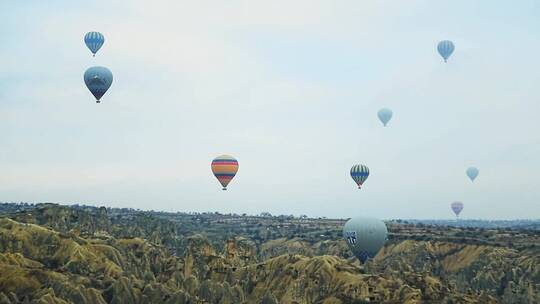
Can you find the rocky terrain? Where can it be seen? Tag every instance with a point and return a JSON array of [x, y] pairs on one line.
[[59, 254]]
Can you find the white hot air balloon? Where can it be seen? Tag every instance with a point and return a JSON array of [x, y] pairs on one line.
[[365, 236]]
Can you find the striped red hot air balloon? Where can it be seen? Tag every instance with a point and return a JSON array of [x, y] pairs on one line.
[[224, 168]]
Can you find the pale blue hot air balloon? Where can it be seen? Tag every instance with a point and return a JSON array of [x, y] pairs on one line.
[[445, 48], [94, 41], [98, 80], [385, 115], [472, 173]]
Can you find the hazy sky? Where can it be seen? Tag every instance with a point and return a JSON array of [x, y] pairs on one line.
[[291, 89]]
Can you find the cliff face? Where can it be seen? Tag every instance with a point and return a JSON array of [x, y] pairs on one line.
[[329, 279], [36, 261], [55, 255], [305, 247], [507, 273]]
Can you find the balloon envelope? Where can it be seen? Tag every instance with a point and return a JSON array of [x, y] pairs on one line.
[[224, 168], [457, 207], [94, 41], [98, 80], [359, 174], [445, 48], [385, 115], [472, 173], [365, 236]]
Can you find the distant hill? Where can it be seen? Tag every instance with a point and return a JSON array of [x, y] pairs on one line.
[[491, 224]]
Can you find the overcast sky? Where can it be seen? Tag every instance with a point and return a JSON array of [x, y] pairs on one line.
[[291, 89]]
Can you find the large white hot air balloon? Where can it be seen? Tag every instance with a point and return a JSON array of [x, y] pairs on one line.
[[365, 236]]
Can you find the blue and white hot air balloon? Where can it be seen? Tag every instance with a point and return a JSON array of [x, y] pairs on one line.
[[472, 173], [359, 174], [94, 41], [98, 80], [385, 115], [445, 48]]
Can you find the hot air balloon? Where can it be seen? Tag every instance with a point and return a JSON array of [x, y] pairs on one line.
[[359, 174], [98, 80], [385, 115], [445, 48], [224, 168], [472, 173], [457, 207], [365, 236], [94, 41]]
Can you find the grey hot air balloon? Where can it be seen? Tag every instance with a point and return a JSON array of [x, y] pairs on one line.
[[472, 173], [365, 236], [98, 80], [385, 115], [457, 207]]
